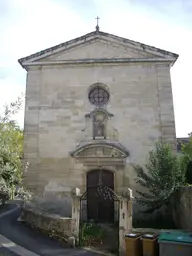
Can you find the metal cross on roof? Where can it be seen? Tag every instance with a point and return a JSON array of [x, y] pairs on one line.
[[97, 27]]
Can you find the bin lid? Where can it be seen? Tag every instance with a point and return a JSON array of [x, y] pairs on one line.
[[150, 236], [176, 236], [133, 235]]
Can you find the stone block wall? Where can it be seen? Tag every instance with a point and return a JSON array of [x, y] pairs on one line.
[[57, 102], [51, 224]]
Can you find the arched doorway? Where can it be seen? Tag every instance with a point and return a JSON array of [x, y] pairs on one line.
[[100, 200]]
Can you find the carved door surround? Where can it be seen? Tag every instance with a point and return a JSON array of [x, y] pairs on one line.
[[101, 153]]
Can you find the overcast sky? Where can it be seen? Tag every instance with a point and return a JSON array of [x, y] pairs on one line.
[[28, 26]]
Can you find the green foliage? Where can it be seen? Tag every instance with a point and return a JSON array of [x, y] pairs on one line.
[[157, 220], [189, 173], [187, 148], [164, 173], [187, 153], [91, 234], [11, 109], [4, 194], [11, 151], [24, 194]]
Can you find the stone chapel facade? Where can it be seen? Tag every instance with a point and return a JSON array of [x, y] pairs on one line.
[[97, 102]]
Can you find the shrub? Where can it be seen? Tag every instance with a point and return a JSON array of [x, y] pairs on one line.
[[164, 172], [91, 234], [4, 192]]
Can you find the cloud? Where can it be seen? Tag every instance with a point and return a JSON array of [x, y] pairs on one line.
[[29, 26]]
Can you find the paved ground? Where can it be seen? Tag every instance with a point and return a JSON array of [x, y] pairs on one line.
[[6, 208], [6, 252], [35, 242]]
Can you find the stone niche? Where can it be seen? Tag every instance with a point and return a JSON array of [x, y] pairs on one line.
[[99, 125]]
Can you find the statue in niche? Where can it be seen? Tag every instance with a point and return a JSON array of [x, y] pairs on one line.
[[99, 125]]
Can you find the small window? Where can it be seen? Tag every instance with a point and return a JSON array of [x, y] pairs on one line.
[[98, 96]]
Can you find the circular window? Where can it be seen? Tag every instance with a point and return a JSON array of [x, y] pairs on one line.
[[98, 96]]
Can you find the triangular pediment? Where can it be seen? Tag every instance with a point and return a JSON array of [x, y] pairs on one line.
[[99, 49], [97, 46]]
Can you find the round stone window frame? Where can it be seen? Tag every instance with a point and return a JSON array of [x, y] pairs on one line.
[[96, 93]]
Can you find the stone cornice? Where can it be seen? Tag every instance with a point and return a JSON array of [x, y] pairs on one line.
[[95, 61]]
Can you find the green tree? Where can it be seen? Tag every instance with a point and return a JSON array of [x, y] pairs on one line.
[[187, 148], [11, 109], [187, 152], [163, 173], [11, 150]]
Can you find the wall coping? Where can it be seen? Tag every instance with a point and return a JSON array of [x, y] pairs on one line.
[[46, 214]]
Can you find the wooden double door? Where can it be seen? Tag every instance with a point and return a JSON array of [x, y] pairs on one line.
[[100, 208]]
